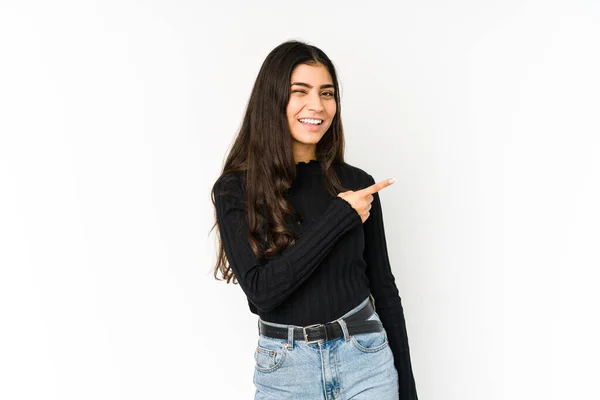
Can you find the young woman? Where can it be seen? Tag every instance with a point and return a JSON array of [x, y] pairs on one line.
[[302, 233]]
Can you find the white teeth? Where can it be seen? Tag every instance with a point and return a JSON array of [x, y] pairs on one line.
[[311, 121]]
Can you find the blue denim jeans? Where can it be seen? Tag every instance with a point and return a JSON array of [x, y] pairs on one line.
[[351, 367]]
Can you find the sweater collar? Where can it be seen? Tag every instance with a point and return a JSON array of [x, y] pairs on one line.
[[311, 167]]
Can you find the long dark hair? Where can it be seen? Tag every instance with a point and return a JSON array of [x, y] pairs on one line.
[[262, 152]]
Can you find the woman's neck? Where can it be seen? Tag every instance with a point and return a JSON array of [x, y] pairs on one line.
[[305, 153]]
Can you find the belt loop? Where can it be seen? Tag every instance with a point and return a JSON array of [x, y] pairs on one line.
[[290, 337], [344, 328]]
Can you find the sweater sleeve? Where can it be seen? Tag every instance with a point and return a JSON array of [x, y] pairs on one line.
[[387, 299], [268, 283]]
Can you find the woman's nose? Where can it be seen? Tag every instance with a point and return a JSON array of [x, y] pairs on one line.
[[316, 105]]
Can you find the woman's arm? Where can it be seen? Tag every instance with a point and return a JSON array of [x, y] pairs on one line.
[[387, 299], [268, 284]]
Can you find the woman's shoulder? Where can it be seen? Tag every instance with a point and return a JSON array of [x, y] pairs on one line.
[[230, 183], [353, 174]]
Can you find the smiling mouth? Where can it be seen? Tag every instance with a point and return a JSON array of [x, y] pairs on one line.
[[311, 121]]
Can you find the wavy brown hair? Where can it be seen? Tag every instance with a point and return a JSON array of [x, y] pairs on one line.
[[262, 153]]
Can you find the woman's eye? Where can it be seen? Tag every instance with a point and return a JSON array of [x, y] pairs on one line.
[[326, 94]]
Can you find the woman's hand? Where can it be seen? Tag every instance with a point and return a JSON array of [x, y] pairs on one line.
[[361, 200]]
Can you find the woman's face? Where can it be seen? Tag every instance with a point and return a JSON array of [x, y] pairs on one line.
[[312, 106]]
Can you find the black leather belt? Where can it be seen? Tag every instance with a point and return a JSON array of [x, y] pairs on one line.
[[356, 323]]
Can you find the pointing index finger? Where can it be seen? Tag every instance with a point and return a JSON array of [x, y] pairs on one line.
[[376, 187]]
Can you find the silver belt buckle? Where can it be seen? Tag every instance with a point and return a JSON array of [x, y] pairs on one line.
[[306, 337]]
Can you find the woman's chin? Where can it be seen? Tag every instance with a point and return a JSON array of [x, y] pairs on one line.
[[307, 141]]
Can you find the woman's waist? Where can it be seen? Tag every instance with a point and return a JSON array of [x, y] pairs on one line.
[[316, 309]]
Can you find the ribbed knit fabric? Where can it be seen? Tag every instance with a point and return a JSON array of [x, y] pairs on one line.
[[336, 262]]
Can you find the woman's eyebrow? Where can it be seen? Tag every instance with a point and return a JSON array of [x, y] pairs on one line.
[[328, 85]]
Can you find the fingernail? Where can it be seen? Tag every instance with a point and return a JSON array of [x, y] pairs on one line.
[[392, 180]]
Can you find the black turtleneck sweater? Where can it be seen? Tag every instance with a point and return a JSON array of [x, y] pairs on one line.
[[335, 264]]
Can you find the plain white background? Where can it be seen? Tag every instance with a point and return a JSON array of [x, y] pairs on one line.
[[115, 118]]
